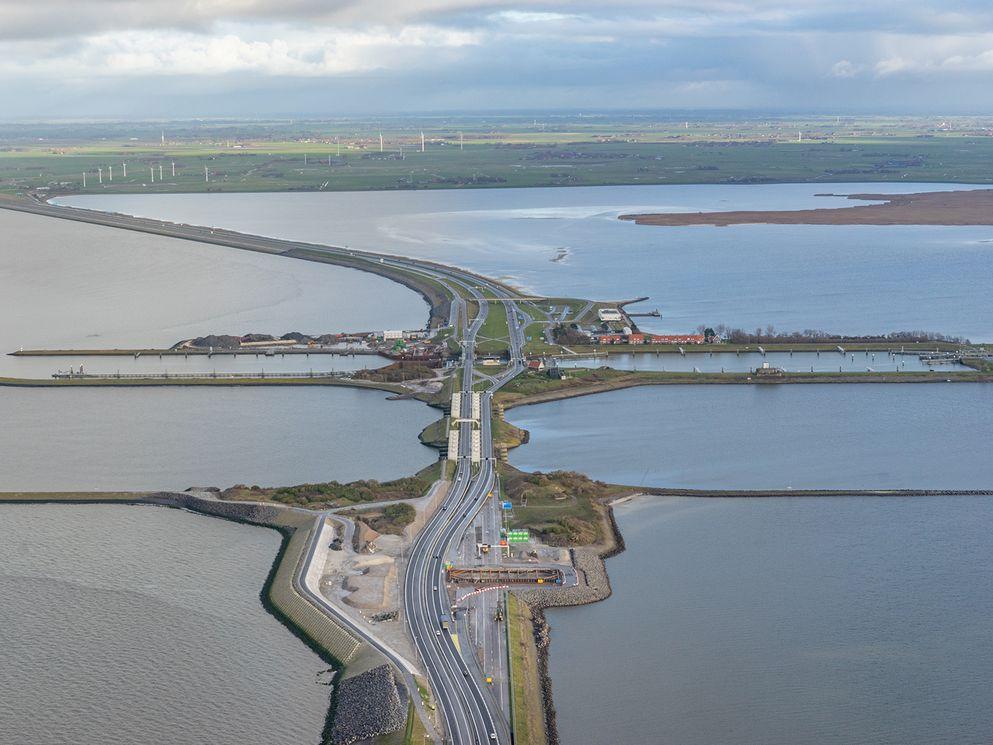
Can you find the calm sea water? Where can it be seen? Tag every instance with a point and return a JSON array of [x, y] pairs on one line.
[[748, 361], [854, 436], [71, 285], [848, 279], [68, 284], [122, 625], [56, 439], [773, 621], [784, 621], [44, 367]]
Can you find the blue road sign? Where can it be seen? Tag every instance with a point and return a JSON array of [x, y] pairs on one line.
[[507, 505]]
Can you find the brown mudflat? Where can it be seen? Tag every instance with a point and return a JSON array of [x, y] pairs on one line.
[[973, 207]]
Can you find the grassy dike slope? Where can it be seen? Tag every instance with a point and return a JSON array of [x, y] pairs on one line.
[[527, 700], [205, 381], [532, 388]]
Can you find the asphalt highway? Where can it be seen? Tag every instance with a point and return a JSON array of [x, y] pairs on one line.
[[469, 711]]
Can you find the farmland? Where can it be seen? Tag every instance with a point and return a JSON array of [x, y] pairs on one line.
[[481, 152]]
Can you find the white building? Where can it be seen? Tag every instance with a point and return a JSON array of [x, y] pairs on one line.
[[609, 314]]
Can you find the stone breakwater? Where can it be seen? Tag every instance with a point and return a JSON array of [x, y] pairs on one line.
[[593, 586], [368, 705], [257, 514]]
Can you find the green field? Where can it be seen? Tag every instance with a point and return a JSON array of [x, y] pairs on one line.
[[526, 698], [494, 336], [494, 152], [532, 387]]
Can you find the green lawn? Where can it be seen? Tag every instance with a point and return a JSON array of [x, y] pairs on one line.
[[528, 710], [494, 335]]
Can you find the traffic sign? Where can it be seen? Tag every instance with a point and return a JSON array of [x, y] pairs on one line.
[[518, 536], [507, 506]]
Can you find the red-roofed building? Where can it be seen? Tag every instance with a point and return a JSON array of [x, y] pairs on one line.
[[675, 339], [610, 338]]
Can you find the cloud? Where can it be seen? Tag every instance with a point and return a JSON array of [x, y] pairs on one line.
[[288, 52], [522, 16], [941, 55], [495, 53], [845, 69]]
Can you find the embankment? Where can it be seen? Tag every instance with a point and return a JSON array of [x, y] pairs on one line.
[[365, 676], [112, 381], [432, 290], [593, 586], [575, 387], [367, 700]]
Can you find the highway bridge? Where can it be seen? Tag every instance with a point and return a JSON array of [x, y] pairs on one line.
[[470, 712]]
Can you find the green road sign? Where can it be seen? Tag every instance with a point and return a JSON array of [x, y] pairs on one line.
[[518, 536]]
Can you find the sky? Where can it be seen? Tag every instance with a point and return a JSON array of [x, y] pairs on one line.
[[202, 58]]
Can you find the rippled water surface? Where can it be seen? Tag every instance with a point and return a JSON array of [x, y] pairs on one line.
[[831, 436], [752, 622], [71, 285], [749, 361], [57, 439], [824, 621], [847, 279], [123, 625]]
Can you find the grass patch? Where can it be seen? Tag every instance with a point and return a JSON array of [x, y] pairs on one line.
[[525, 690], [494, 335], [390, 519], [829, 346], [506, 434], [535, 387], [532, 382], [206, 381], [508, 152], [978, 363], [334, 494], [563, 508], [398, 372], [435, 435]]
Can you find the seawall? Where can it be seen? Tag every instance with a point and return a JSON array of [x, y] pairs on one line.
[[367, 699]]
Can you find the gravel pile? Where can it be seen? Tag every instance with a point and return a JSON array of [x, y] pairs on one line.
[[368, 705]]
